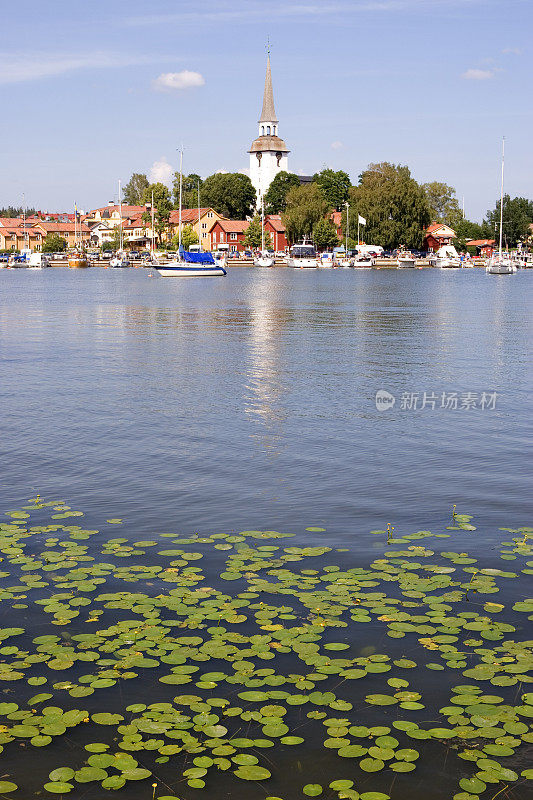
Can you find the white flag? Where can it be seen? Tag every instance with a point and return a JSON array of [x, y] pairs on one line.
[[361, 220]]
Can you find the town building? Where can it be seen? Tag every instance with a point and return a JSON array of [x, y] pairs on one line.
[[268, 153], [231, 232], [201, 220], [436, 235], [484, 247], [15, 234]]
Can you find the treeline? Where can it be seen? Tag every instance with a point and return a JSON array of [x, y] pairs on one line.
[[396, 208], [12, 212]]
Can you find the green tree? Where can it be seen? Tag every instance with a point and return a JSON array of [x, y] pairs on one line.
[[108, 245], [443, 204], [189, 190], [517, 217], [252, 236], [276, 197], [54, 243], [324, 235], [466, 230], [305, 207], [334, 186], [394, 205], [188, 237], [231, 194], [133, 192], [163, 206]]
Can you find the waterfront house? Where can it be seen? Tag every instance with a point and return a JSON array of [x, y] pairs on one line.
[[15, 235], [201, 220], [231, 232], [436, 235], [111, 214], [484, 247], [275, 227]]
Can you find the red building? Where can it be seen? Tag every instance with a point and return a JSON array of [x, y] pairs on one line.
[[231, 232], [484, 247], [436, 235]]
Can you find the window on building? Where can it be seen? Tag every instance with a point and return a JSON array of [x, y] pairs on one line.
[[268, 130], [262, 130], [233, 235], [204, 224], [209, 214]]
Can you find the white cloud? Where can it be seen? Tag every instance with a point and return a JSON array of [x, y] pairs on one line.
[[478, 74], [169, 81], [161, 172], [17, 67], [337, 145], [222, 172], [515, 51]]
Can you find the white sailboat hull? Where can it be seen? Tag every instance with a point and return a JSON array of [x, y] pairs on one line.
[[177, 270], [500, 266], [303, 263], [263, 262]]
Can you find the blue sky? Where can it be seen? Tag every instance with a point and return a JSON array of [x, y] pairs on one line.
[[93, 92]]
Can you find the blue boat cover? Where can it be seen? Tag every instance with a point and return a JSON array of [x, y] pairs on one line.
[[197, 258]]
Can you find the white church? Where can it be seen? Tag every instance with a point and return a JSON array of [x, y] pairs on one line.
[[268, 153]]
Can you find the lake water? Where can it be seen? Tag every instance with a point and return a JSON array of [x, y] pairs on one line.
[[249, 403]]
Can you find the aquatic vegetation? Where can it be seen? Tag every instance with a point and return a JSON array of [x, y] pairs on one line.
[[154, 670]]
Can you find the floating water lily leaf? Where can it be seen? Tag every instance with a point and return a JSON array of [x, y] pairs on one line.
[[56, 787], [7, 786], [252, 773], [312, 789]]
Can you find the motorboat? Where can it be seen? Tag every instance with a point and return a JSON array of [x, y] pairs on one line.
[[326, 261], [344, 262], [303, 256], [363, 261], [190, 265], [38, 261], [405, 260], [446, 257]]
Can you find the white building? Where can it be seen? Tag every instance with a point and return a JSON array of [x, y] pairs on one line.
[[268, 153]]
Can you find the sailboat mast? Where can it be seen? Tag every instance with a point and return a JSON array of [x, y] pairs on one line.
[[501, 196], [181, 188], [120, 212], [153, 231], [199, 227], [24, 221]]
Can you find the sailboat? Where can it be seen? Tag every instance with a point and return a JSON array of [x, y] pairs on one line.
[[119, 259], [189, 265], [264, 259], [78, 258], [501, 263]]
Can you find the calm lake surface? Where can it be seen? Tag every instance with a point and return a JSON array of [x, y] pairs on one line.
[[249, 403]]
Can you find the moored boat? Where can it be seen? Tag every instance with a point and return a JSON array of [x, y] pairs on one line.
[[405, 260], [363, 261], [303, 256], [190, 265], [501, 263], [78, 260], [446, 257]]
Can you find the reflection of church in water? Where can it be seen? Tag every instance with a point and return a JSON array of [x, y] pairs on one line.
[[268, 153]]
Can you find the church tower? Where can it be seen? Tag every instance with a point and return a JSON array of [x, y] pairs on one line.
[[268, 153]]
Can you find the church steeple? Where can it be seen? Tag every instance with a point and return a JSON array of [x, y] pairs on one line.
[[268, 114], [268, 153]]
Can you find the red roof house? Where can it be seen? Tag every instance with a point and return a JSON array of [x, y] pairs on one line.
[[436, 235]]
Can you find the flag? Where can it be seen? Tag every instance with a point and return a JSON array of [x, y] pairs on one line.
[[361, 220]]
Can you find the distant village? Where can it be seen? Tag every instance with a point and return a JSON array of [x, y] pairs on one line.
[[388, 206]]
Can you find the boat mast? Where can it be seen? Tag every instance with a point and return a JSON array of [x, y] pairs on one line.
[[120, 212], [501, 196], [24, 220], [181, 187], [75, 225], [199, 227], [153, 232]]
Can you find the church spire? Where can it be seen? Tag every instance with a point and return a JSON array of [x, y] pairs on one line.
[[268, 114]]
